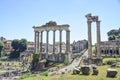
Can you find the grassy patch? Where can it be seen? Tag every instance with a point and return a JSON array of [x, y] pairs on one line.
[[25, 76], [101, 76], [44, 73], [69, 76]]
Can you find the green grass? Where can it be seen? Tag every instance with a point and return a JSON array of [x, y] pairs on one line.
[[70, 76]]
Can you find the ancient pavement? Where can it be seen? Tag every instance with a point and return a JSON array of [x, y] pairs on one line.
[[70, 67]]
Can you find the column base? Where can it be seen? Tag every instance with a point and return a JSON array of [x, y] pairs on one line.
[[99, 61], [90, 61], [68, 57]]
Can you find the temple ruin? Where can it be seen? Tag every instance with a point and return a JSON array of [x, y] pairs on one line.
[[91, 19], [51, 26]]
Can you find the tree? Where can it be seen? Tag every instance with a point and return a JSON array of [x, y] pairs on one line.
[[112, 37], [15, 44], [22, 45], [1, 47], [18, 46]]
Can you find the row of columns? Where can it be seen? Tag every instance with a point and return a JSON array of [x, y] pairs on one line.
[[39, 37], [90, 40]]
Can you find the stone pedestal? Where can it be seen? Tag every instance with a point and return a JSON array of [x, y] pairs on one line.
[[76, 71], [85, 69], [111, 72], [95, 72]]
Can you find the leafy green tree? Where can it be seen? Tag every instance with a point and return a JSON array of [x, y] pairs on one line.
[[18, 46], [1, 47], [15, 44], [22, 45], [112, 37]]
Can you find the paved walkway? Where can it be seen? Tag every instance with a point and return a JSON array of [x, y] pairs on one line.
[[70, 67]]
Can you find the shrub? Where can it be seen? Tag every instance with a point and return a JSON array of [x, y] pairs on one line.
[[25, 76], [66, 62], [34, 61], [44, 73]]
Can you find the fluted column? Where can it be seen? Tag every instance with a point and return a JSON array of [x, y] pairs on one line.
[[53, 41], [98, 39], [68, 41], [89, 40], [41, 40], [47, 41], [60, 37]]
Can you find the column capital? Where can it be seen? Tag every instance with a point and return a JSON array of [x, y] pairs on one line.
[[89, 21], [67, 30], [54, 30], [41, 31], [47, 30], [60, 30], [98, 21], [36, 31]]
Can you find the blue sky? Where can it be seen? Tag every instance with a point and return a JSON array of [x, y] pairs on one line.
[[18, 16]]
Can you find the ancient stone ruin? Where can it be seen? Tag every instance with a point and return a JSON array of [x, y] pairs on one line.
[[98, 58]]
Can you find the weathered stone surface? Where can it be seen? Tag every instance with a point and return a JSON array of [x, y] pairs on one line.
[[50, 23], [91, 19], [95, 72], [99, 61], [76, 71], [111, 72], [85, 69], [93, 66], [118, 66], [113, 65]]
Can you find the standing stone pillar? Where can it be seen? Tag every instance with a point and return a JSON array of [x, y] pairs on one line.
[[36, 41], [68, 41], [47, 42], [98, 39], [68, 55], [35, 50], [54, 42], [60, 42], [89, 40], [41, 41]]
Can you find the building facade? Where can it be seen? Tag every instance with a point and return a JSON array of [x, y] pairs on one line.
[[78, 46], [110, 47]]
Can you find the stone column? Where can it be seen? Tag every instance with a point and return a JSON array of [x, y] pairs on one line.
[[98, 39], [60, 41], [41, 40], [36, 41], [54, 42], [68, 41], [35, 50], [47, 41], [89, 40]]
